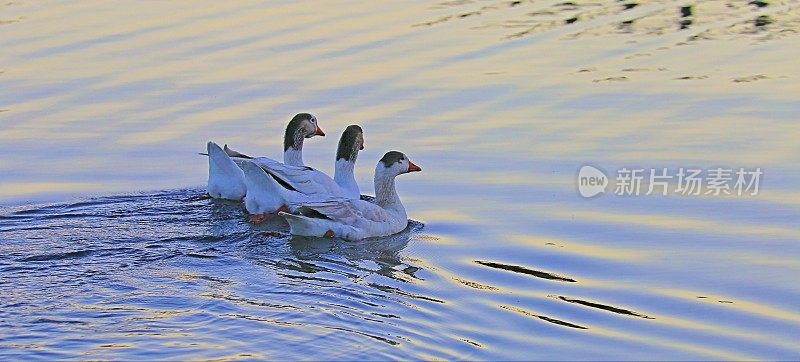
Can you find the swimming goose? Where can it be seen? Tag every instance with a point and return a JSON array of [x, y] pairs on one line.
[[272, 186], [350, 143], [357, 219], [226, 182]]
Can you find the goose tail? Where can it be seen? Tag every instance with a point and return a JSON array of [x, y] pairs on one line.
[[264, 194], [300, 225], [225, 178]]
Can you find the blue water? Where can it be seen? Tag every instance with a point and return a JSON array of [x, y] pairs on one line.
[[174, 275], [108, 249], [159, 276]]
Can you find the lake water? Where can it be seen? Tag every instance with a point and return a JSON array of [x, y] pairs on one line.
[[107, 252]]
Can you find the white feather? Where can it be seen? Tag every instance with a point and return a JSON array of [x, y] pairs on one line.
[[225, 178], [263, 192], [355, 219]]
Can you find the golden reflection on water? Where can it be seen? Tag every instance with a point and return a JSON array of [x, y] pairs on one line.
[[719, 327], [667, 222], [584, 249], [741, 306], [697, 348], [211, 43], [106, 99], [31, 188]]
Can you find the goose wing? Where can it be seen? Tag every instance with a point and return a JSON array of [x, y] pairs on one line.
[[303, 179], [349, 212]]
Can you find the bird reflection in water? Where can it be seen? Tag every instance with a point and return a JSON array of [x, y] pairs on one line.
[[310, 253]]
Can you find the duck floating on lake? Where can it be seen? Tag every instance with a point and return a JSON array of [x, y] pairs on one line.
[[273, 186], [226, 179], [351, 219]]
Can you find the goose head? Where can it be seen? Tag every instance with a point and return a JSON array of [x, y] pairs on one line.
[[302, 125], [395, 163], [351, 142]]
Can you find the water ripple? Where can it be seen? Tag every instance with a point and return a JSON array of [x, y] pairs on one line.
[[524, 270]]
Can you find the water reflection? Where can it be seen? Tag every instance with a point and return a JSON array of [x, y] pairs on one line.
[[609, 308], [502, 99], [524, 270], [656, 18], [313, 259], [380, 256], [762, 20], [543, 317], [686, 15]]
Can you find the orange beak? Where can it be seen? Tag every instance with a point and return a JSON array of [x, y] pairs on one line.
[[319, 132], [412, 167]]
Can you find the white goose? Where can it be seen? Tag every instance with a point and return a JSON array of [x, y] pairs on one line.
[[225, 178], [227, 182], [358, 219], [273, 187]]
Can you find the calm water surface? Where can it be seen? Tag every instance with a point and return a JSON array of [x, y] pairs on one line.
[[107, 252]]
